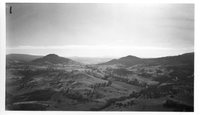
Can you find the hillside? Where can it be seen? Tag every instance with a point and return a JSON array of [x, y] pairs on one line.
[[20, 58], [187, 58], [54, 59], [128, 61]]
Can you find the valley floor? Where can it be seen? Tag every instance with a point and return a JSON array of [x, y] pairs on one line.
[[100, 88]]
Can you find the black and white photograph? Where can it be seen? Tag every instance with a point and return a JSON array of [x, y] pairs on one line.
[[130, 57]]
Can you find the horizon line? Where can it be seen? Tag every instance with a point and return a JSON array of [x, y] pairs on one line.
[[101, 56]]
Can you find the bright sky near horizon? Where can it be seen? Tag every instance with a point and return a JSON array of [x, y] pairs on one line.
[[100, 30]]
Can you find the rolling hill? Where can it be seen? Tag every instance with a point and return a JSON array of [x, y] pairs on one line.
[[22, 57], [54, 59], [141, 84], [128, 61], [187, 58]]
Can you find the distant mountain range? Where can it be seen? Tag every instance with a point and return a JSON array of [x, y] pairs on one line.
[[127, 61], [91, 60]]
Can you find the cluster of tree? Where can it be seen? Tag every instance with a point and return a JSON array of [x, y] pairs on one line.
[[181, 70], [133, 95], [93, 69], [157, 92], [93, 94], [87, 96], [27, 74], [163, 79], [90, 93], [142, 72], [113, 100], [108, 74], [158, 71], [74, 95], [98, 85], [123, 79], [31, 71], [129, 103], [121, 72], [108, 103], [132, 82], [95, 73], [177, 106], [145, 74]]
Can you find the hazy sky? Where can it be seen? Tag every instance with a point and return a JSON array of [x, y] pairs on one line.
[[92, 30]]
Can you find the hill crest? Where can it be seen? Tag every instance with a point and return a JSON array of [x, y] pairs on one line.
[[54, 59]]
